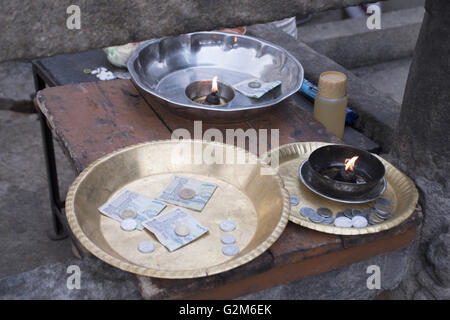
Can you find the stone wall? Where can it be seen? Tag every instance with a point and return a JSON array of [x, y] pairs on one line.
[[36, 28], [422, 150]]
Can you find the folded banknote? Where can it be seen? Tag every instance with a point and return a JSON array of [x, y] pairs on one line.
[[165, 227], [255, 88], [145, 207], [188, 193]]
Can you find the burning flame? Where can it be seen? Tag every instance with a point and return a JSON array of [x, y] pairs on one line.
[[350, 163], [214, 87]]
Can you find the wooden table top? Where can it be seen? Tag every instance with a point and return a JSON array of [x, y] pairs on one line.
[[93, 119]]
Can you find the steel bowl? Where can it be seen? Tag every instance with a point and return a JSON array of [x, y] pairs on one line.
[[367, 166], [166, 67]]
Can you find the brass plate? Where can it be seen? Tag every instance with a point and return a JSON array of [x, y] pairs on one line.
[[400, 190], [258, 204]]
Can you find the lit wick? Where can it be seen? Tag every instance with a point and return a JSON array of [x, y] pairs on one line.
[[348, 172], [213, 97]]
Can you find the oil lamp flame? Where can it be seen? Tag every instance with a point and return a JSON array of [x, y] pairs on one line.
[[214, 87], [350, 163]]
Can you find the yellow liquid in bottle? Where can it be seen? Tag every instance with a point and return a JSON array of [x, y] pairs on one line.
[[331, 113]]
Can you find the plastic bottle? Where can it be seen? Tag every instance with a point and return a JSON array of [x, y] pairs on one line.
[[330, 103]]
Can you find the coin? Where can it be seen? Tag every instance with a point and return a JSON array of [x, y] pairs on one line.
[[254, 84], [227, 226], [128, 224], [294, 201], [373, 219], [383, 209], [307, 212], [316, 218], [325, 212], [356, 212], [359, 222], [182, 231], [340, 214], [228, 239], [383, 201], [146, 247], [382, 215], [230, 250], [343, 222], [128, 213], [367, 212], [186, 193], [348, 213], [328, 220]]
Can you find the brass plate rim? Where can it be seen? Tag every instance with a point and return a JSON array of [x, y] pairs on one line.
[[178, 274], [403, 181]]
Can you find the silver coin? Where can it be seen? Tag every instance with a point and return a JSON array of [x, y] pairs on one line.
[[340, 214], [230, 250], [316, 218], [382, 216], [325, 212], [128, 213], [328, 220], [383, 201], [343, 222], [348, 213], [383, 209], [306, 212], [383, 213], [373, 219], [128, 224], [367, 212], [359, 222], [254, 84], [186, 193], [228, 239], [356, 212], [227, 226], [146, 247], [182, 231], [294, 201]]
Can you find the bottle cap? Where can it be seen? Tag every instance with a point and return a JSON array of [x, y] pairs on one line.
[[332, 85]]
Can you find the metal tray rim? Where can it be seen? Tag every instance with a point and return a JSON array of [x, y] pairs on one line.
[[407, 186], [144, 87], [184, 274]]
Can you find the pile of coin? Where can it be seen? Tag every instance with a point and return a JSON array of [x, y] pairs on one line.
[[381, 212], [351, 218], [229, 248], [322, 215]]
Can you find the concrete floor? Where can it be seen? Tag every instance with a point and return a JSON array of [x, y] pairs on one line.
[[24, 202]]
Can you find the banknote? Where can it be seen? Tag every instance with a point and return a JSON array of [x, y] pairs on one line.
[[255, 88], [145, 207], [165, 225], [188, 193]]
